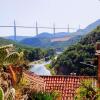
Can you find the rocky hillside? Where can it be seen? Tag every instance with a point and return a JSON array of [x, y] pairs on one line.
[[79, 58]]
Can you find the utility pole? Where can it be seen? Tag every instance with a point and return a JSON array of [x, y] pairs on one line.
[[54, 29], [79, 27], [98, 56], [14, 31], [36, 29]]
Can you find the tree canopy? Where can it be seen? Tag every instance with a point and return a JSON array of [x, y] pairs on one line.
[[84, 51]]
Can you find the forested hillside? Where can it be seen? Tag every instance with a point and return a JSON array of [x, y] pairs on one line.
[[46, 42], [31, 54], [75, 58], [17, 45]]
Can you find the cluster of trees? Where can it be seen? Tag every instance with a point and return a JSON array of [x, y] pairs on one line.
[[87, 92], [44, 96], [30, 52], [84, 51], [38, 53], [70, 60]]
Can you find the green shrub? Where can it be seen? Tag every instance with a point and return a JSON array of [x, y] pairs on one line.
[[87, 92], [44, 96]]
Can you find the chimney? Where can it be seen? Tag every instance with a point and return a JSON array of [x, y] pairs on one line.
[[98, 55]]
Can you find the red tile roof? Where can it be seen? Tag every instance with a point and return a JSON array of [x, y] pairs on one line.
[[65, 85], [35, 82]]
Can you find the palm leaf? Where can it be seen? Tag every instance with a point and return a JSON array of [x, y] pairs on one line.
[[7, 46], [3, 54], [21, 56], [12, 58]]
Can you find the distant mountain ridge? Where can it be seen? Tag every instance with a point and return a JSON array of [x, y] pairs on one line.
[[18, 38], [60, 39], [51, 35], [85, 31], [89, 28], [45, 35], [46, 43]]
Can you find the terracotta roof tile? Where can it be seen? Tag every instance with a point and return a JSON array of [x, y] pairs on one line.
[[65, 84]]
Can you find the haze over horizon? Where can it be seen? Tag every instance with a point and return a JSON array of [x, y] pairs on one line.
[[47, 12]]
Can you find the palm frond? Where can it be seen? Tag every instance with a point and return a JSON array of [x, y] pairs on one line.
[[3, 54], [6, 46], [13, 58]]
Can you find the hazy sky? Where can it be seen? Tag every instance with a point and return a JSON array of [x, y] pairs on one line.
[[47, 12]]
